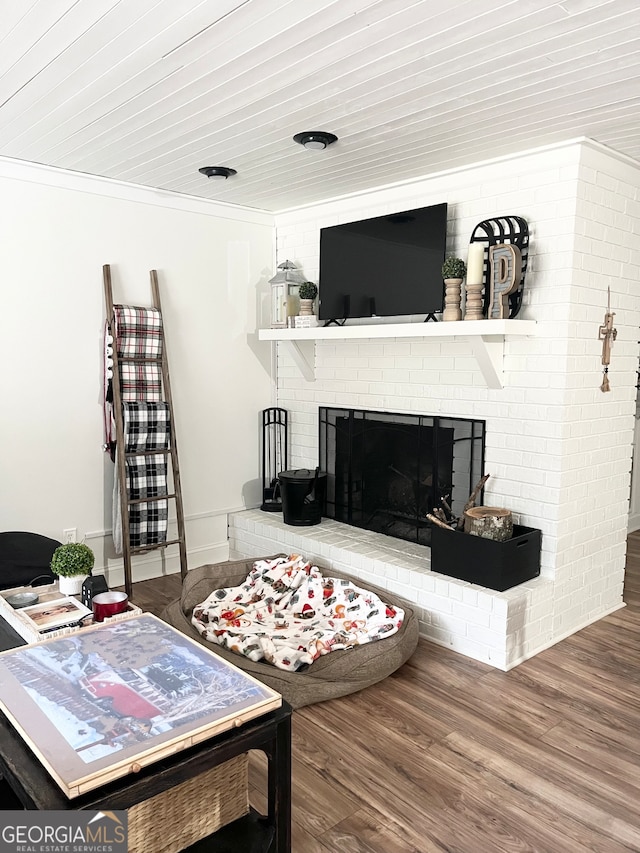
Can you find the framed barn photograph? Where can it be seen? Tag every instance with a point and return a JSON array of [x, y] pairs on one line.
[[106, 701]]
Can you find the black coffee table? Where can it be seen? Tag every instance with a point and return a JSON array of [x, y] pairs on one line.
[[9, 639], [25, 783]]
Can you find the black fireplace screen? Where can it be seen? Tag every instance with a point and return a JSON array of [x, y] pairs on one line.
[[386, 471]]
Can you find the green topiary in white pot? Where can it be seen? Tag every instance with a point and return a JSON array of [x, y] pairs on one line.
[[72, 563]]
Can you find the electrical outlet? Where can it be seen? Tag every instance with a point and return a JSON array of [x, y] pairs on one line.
[[70, 535]]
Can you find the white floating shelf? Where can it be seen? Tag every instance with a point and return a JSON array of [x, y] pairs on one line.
[[486, 338]]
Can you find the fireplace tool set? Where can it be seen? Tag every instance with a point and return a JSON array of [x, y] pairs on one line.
[[275, 456]]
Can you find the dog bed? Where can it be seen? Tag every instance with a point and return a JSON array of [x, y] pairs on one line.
[[331, 675]]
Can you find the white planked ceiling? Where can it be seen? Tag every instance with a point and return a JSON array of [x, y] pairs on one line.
[[148, 91]]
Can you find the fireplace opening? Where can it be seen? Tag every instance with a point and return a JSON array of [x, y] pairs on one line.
[[386, 471]]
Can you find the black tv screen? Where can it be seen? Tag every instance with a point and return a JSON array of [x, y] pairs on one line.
[[386, 266]]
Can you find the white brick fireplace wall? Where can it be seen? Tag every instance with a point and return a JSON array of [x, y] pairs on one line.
[[558, 449]]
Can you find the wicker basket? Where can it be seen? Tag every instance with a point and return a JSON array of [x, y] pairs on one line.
[[183, 815]]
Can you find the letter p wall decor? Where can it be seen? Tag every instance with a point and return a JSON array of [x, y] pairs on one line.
[[507, 232], [505, 272]]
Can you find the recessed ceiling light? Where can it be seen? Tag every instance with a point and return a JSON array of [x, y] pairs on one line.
[[218, 173], [316, 140]]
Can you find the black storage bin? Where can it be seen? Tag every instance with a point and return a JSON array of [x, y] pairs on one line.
[[494, 565], [303, 495]]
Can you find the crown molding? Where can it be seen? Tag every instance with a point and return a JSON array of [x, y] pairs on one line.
[[52, 176], [579, 143]]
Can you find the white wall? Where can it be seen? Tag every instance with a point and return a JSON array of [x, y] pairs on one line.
[[57, 230], [558, 449]]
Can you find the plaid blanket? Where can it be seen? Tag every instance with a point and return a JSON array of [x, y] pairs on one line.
[[146, 429], [148, 523], [138, 331], [287, 613], [146, 426], [140, 381]]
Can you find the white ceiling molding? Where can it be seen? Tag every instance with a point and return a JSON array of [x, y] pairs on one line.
[[52, 176]]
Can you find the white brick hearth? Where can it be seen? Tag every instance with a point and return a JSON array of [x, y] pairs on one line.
[[478, 622]]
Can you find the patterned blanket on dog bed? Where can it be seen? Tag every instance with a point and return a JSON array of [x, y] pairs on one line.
[[288, 614]]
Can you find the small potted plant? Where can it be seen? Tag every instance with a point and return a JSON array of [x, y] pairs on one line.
[[72, 563], [454, 268], [453, 271], [307, 293]]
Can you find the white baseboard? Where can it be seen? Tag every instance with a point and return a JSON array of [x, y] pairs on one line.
[[209, 527], [634, 522], [155, 565]]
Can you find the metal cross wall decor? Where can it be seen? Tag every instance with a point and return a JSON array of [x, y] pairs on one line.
[[607, 334]]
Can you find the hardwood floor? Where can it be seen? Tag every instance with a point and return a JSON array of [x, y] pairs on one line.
[[451, 755]]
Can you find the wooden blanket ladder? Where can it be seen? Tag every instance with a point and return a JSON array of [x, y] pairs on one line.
[[121, 456]]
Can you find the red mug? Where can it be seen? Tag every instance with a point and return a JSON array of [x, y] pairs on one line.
[[107, 604]]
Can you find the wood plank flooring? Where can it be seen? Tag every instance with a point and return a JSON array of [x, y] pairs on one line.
[[451, 755]]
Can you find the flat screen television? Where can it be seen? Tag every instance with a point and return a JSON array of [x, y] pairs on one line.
[[386, 266]]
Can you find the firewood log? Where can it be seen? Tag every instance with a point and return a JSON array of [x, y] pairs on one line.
[[435, 520], [489, 522], [471, 501]]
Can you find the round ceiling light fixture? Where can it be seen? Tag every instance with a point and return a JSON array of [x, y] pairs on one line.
[[315, 140], [218, 173]]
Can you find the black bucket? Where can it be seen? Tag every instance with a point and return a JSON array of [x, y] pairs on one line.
[[303, 495]]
